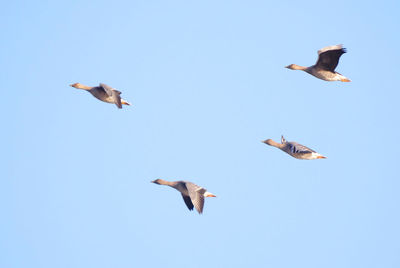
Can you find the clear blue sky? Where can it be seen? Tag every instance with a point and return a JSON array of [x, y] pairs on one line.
[[207, 83]]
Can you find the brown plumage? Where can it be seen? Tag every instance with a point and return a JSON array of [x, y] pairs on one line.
[[324, 68], [192, 194], [295, 149], [104, 93]]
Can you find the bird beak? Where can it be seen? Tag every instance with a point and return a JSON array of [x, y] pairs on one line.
[[211, 195], [321, 157], [287, 66]]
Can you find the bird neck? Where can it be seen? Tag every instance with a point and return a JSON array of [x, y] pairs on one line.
[[80, 86], [298, 67], [168, 183], [275, 144]]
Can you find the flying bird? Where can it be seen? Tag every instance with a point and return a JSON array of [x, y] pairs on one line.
[[295, 149], [192, 194], [104, 93], [328, 59]]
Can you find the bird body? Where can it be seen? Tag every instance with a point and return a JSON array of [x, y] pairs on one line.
[[324, 68], [326, 75], [295, 149], [192, 194], [104, 93]]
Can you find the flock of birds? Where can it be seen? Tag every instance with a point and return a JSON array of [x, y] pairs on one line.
[[193, 195]]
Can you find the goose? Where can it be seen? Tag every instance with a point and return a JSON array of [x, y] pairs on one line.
[[104, 93], [328, 59], [192, 194], [295, 149]]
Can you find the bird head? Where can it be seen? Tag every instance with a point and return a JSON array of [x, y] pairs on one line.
[[296, 67], [76, 85], [269, 142], [291, 67], [157, 181]]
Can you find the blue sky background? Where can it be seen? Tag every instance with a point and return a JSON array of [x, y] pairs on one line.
[[207, 83]]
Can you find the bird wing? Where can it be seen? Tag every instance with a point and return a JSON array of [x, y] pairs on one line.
[[188, 202], [297, 148], [113, 93], [328, 57], [196, 194]]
